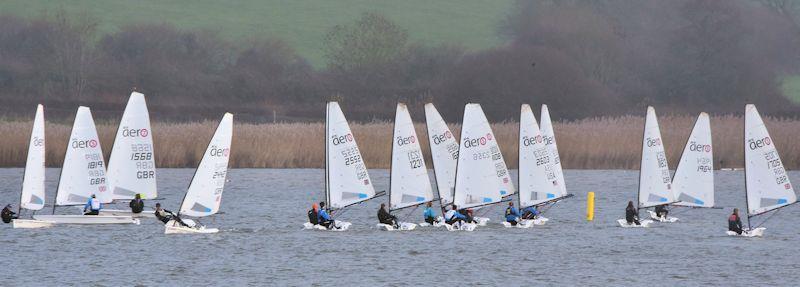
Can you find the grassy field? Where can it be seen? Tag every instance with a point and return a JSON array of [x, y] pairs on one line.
[[302, 23], [791, 88], [605, 143]]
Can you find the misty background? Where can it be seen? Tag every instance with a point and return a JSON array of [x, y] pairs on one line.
[[195, 59]]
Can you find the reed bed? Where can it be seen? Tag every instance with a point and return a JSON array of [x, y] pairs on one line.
[[596, 143]]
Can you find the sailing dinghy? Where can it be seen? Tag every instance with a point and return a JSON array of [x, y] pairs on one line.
[[32, 195], [83, 175], [444, 155], [132, 167], [204, 195], [482, 178], [538, 183], [409, 185], [767, 185], [655, 182], [549, 135], [693, 182], [347, 181]]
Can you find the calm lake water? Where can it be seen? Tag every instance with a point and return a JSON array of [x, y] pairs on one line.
[[261, 242]]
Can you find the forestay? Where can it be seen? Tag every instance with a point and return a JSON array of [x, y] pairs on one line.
[[409, 180], [693, 183], [548, 133], [32, 197], [205, 191], [654, 178], [537, 180], [346, 175], [766, 181], [481, 175], [84, 171], [131, 167], [444, 153]]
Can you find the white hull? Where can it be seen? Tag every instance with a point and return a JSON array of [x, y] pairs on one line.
[[527, 223], [172, 227], [87, 219], [29, 223], [120, 212], [758, 232], [438, 223], [481, 221], [338, 226], [404, 226], [644, 223], [667, 219], [461, 227]]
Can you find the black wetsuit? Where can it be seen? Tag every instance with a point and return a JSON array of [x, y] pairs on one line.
[[661, 211], [735, 224], [312, 216], [466, 214], [631, 216], [165, 216], [137, 205], [8, 215], [386, 218]]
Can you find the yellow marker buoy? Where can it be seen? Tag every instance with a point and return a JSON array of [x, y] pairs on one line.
[[590, 206]]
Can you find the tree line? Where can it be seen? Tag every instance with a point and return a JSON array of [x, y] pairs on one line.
[[583, 58]]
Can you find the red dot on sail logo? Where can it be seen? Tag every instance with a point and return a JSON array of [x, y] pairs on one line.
[[708, 148], [93, 143], [366, 182], [767, 140], [483, 141], [787, 186], [447, 134], [349, 137], [226, 152], [505, 180], [489, 136], [144, 132], [413, 139]]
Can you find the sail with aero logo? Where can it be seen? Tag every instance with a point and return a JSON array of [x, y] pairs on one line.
[[655, 183], [766, 180], [409, 182], [693, 182], [84, 172], [550, 140], [131, 167], [537, 181], [205, 191], [481, 175], [347, 179], [32, 197], [444, 153]]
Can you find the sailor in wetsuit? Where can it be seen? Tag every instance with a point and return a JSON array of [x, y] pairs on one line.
[[92, 206], [429, 214], [137, 204], [530, 212], [165, 215], [8, 215], [631, 214], [734, 222], [313, 214], [323, 218], [661, 211], [512, 214], [387, 218], [452, 216]]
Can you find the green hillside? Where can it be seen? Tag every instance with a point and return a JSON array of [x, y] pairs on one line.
[[302, 23]]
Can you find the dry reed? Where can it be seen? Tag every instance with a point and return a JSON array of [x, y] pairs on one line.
[[597, 143]]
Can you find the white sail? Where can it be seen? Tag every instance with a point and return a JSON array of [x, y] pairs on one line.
[[346, 175], [444, 153], [33, 182], [654, 178], [132, 167], [550, 140], [84, 171], [537, 180], [409, 180], [766, 181], [693, 183], [481, 175], [205, 192]]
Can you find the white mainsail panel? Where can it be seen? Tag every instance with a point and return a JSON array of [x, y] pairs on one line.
[[655, 187], [444, 153], [693, 183], [32, 197], [767, 183], [84, 171], [550, 140], [132, 166], [348, 181], [481, 177], [537, 181], [410, 184], [205, 192]]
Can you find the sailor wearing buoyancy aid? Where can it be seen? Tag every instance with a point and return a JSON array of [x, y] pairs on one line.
[[92, 206], [453, 216], [512, 213]]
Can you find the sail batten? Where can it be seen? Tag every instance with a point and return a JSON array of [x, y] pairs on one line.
[[409, 184], [348, 179]]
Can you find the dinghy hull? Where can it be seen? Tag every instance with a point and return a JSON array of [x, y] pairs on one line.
[[461, 227], [668, 219], [29, 223], [644, 223], [119, 212], [172, 227], [404, 226], [86, 219], [527, 223], [339, 226], [758, 232]]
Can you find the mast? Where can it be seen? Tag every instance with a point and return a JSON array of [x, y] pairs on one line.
[[327, 153], [391, 156], [519, 159], [641, 163]]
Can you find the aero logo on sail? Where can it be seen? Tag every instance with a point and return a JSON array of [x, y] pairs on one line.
[[468, 143], [401, 141], [219, 151], [437, 139], [653, 142], [337, 140], [38, 141], [529, 141], [754, 144], [84, 144], [693, 146], [128, 132]]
